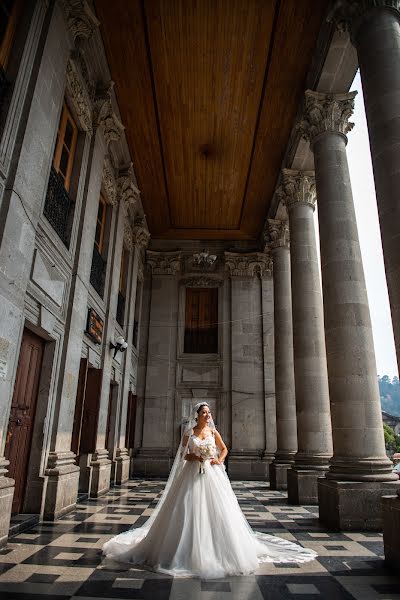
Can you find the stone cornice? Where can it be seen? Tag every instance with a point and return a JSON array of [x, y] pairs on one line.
[[248, 265], [164, 263], [81, 20], [109, 181], [201, 281], [347, 15], [278, 234], [105, 117], [297, 187], [79, 96], [326, 113]]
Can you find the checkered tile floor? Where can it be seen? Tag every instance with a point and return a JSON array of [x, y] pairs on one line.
[[63, 559]]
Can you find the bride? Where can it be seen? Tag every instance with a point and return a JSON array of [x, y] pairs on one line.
[[197, 528]]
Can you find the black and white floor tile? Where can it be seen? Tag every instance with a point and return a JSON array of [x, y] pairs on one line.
[[63, 560]]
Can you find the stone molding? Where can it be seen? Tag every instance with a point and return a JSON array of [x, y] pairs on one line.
[[105, 117], [81, 20], [297, 187], [201, 281], [128, 243], [140, 273], [109, 181], [347, 15], [128, 192], [248, 265], [79, 96], [278, 234], [164, 263], [141, 237], [326, 113]]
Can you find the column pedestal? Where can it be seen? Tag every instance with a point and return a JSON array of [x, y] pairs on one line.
[[6, 498], [303, 485], [152, 462], [62, 485], [247, 465], [278, 475], [100, 473], [391, 530], [122, 461], [353, 505]]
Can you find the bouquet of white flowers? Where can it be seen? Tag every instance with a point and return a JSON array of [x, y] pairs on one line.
[[207, 452]]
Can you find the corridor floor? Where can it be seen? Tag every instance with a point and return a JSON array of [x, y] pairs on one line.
[[63, 559]]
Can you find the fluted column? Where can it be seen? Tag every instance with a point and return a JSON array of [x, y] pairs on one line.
[[284, 367], [311, 379], [375, 31], [359, 450]]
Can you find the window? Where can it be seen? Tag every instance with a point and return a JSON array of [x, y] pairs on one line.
[[100, 225], [64, 153], [9, 13], [201, 320], [123, 280], [98, 269]]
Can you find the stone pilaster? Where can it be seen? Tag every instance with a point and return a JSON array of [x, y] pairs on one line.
[[374, 26], [359, 468], [311, 380], [248, 404], [284, 365], [157, 451]]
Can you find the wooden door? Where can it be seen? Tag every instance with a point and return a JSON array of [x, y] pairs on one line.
[[23, 407], [109, 415], [90, 417], [80, 397], [131, 421], [201, 320]]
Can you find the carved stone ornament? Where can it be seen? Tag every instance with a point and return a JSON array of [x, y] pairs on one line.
[[140, 273], [79, 96], [278, 233], [326, 113], [297, 187], [128, 193], [348, 14], [105, 116], [128, 243], [164, 263], [109, 181], [248, 265], [141, 237], [81, 20], [201, 281]]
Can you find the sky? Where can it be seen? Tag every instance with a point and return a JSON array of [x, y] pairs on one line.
[[359, 158]]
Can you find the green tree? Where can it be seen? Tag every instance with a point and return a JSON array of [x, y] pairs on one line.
[[390, 439]]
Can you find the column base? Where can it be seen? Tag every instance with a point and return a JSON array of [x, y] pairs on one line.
[[248, 465], [100, 473], [391, 530], [278, 475], [62, 485], [302, 485], [122, 466], [350, 505], [6, 499], [152, 462]]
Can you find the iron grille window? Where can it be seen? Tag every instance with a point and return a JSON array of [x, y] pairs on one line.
[[120, 309], [58, 208], [97, 271]]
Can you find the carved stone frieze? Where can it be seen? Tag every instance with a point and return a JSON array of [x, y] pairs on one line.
[[128, 192], [141, 236], [109, 181], [164, 263], [297, 187], [79, 96], [347, 14], [278, 233], [326, 113], [105, 117], [201, 281], [81, 20], [248, 265]]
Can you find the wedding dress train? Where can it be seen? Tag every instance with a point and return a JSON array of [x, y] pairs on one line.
[[200, 530]]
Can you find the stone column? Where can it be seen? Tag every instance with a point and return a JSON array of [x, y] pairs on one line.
[[311, 379], [155, 456], [140, 241], [248, 403], [375, 32], [360, 472], [284, 367]]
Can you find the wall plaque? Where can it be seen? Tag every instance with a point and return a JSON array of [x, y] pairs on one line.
[[94, 327]]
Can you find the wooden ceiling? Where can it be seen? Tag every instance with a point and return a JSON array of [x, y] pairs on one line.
[[208, 90]]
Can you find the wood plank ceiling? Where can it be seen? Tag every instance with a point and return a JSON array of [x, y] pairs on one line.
[[208, 90]]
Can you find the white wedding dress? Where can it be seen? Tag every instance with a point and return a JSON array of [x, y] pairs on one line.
[[200, 530]]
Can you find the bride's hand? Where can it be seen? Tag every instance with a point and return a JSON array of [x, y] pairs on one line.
[[215, 461]]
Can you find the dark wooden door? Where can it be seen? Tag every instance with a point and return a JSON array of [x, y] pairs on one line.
[[131, 421], [201, 320], [23, 407], [90, 415], [80, 398], [109, 415]]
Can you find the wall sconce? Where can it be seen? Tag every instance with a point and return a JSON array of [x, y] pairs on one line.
[[119, 346]]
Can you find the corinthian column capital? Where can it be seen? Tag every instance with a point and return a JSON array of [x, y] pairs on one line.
[[346, 15], [278, 234], [81, 20], [326, 113], [297, 187]]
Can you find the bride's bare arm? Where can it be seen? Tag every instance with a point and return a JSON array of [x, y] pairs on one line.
[[223, 450]]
